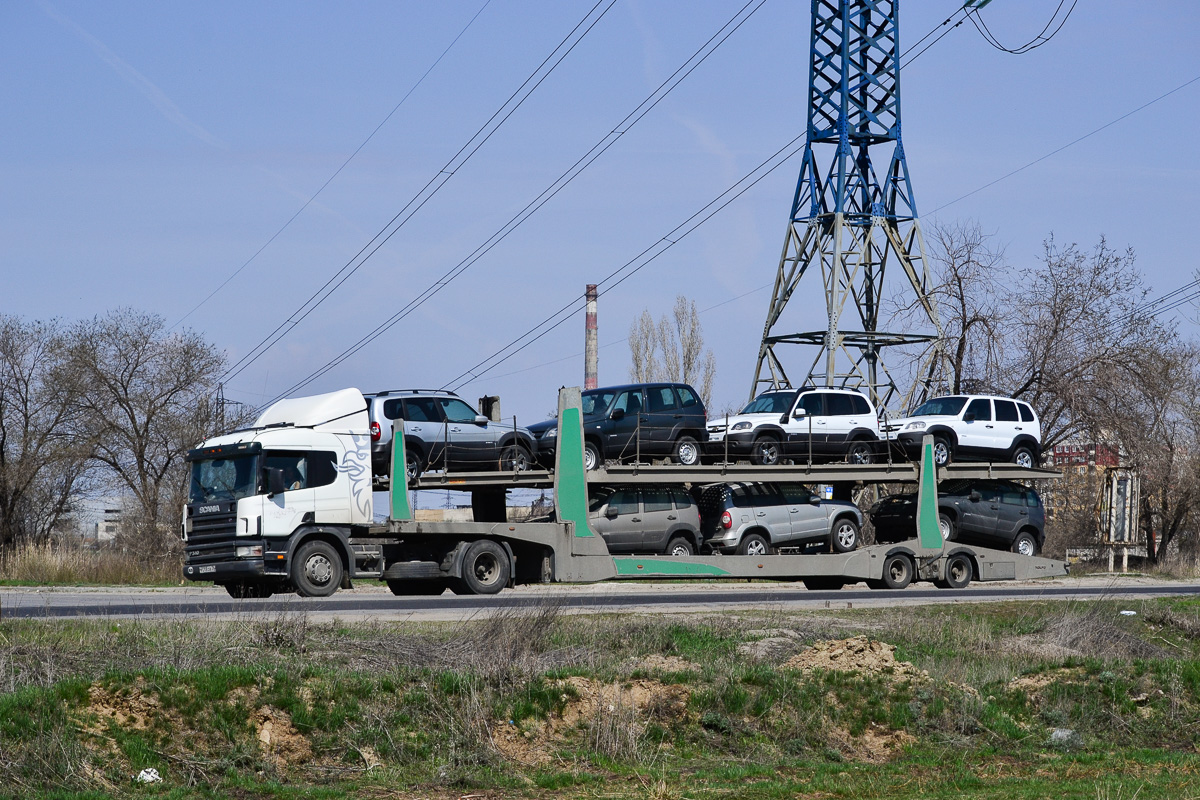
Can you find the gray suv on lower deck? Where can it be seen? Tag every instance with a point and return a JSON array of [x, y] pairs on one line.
[[759, 518], [645, 519], [442, 432]]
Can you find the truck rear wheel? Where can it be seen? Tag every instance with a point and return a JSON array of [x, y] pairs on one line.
[[316, 569], [485, 569]]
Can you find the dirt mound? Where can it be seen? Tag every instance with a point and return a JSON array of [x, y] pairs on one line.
[[130, 709], [857, 654], [588, 705], [279, 739], [657, 663], [875, 745]]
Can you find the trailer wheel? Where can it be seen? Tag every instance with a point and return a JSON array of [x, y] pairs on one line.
[[316, 569], [485, 569], [897, 573], [408, 588], [958, 573]]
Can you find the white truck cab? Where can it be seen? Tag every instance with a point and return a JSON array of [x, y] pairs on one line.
[[304, 464]]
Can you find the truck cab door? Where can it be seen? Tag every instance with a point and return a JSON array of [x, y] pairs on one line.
[[282, 513]]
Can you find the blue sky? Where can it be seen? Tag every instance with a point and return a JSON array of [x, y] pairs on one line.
[[147, 150]]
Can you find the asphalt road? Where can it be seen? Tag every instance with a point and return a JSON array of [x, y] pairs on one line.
[[374, 602]]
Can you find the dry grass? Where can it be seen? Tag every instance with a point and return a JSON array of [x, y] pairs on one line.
[[65, 562]]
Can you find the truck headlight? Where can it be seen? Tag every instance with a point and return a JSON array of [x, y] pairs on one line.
[[250, 551]]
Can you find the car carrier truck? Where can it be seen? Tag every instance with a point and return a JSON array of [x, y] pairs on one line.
[[287, 506]]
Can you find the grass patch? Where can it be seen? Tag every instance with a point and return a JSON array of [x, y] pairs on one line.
[[1001, 701]]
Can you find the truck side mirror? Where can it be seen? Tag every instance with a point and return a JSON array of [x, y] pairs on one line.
[[814, 499], [618, 413], [974, 497], [480, 419], [610, 512], [969, 416], [800, 413], [275, 484]]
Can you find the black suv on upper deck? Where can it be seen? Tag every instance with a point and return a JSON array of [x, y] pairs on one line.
[[442, 432], [638, 420]]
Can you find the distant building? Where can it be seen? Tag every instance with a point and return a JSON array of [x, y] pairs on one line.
[[1082, 453], [97, 519]]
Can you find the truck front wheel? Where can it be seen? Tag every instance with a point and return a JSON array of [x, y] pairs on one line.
[[485, 569], [316, 570]]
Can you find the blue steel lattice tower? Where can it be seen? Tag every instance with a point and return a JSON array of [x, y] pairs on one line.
[[848, 223]]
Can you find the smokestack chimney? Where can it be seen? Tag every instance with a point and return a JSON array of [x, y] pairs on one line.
[[591, 351]]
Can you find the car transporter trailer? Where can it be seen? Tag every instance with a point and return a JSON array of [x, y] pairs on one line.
[[483, 557]]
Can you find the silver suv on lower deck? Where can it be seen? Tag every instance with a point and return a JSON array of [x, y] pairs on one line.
[[760, 518]]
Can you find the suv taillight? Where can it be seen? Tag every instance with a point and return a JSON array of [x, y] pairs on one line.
[[726, 520], [376, 432]]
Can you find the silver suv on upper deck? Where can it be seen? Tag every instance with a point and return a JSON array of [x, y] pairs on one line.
[[442, 432]]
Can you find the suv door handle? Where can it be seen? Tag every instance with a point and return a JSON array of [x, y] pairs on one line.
[[989, 426], [636, 519], [762, 513], [672, 516]]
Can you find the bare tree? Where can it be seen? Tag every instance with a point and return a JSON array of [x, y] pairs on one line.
[[44, 445], [150, 395], [643, 345], [673, 350]]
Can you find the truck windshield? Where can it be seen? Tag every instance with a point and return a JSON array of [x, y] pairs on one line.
[[223, 479]]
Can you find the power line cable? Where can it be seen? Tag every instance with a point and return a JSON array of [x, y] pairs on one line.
[[460, 158], [1071, 143], [632, 267], [336, 172], [607, 141], [976, 17]]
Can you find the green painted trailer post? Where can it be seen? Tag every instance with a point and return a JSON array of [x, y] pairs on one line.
[[483, 556]]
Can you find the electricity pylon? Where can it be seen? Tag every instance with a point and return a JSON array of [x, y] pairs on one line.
[[848, 223]]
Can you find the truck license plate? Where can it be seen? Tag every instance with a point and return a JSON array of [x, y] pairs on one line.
[[209, 568]]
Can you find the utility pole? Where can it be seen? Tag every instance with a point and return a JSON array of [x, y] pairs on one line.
[[846, 222], [591, 348]]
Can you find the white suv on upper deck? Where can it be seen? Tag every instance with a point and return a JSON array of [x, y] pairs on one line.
[[796, 423], [972, 426]]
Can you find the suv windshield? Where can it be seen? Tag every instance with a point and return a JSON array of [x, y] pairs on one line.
[[941, 407], [770, 403], [597, 402], [223, 479]]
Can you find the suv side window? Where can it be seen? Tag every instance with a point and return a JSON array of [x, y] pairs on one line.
[[1026, 412], [456, 410], [860, 404], [1014, 497], [656, 499], [624, 501], [421, 409], [795, 492], [1031, 498], [839, 405], [393, 409], [767, 496], [1006, 411], [682, 498], [813, 403], [659, 399], [981, 407], [629, 402], [686, 397]]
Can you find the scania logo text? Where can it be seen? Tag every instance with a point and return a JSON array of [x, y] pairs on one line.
[[208, 509]]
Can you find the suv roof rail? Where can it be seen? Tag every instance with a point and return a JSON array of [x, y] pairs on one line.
[[411, 391]]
